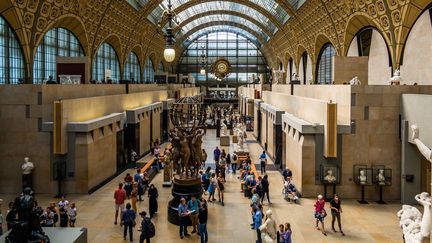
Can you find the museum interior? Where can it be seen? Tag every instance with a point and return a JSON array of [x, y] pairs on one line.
[[225, 121]]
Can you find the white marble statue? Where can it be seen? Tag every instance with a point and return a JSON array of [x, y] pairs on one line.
[[415, 226], [27, 167], [268, 228], [355, 81], [424, 150], [224, 129], [381, 177], [396, 79], [241, 139], [330, 178], [362, 177]]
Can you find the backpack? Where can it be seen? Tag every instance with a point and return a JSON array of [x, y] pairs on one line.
[[151, 229]]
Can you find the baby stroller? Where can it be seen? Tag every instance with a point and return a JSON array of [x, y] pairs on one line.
[[290, 192]]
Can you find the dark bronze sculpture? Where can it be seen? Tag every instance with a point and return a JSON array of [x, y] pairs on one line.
[[25, 220]]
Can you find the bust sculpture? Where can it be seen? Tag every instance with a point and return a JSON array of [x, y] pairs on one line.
[[27, 170], [330, 178], [396, 79], [362, 177], [355, 81], [381, 177]]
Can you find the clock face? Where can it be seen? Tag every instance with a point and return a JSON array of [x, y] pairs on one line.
[[222, 68]]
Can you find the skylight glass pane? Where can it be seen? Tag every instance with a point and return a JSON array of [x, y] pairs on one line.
[[137, 4], [224, 18], [219, 28], [226, 6], [270, 6]]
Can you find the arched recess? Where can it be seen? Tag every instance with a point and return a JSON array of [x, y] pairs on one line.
[[356, 23], [160, 67], [105, 58], [290, 67], [14, 19], [132, 68], [417, 55], [72, 23], [305, 69], [324, 64], [321, 40], [114, 41], [12, 62], [379, 63]]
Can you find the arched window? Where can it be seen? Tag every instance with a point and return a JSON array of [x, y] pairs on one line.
[[290, 66], [132, 71], [304, 66], [161, 68], [11, 58], [324, 68], [106, 59], [56, 42], [149, 71]]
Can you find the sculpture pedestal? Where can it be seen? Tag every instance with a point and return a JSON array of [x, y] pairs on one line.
[[183, 188], [224, 140], [241, 151], [167, 176]]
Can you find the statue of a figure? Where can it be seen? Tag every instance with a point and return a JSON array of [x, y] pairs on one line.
[[424, 150], [175, 142], [268, 228], [330, 178], [396, 79], [415, 226], [196, 150], [381, 177], [224, 129], [355, 81], [185, 153], [26, 227], [27, 170]]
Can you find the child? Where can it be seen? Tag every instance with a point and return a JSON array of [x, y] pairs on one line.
[[280, 234], [63, 218], [72, 215]]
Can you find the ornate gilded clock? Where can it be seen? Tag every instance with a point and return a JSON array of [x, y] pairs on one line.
[[221, 68]]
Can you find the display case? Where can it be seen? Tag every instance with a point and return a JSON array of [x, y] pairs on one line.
[[362, 175], [382, 176], [330, 174]]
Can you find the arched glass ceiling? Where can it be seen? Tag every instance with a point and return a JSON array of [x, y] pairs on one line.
[[270, 6], [224, 18], [226, 6], [221, 28]]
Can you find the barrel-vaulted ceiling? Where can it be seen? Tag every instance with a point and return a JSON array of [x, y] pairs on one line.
[[258, 20]]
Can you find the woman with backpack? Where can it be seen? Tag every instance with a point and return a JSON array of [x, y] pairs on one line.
[[147, 228]]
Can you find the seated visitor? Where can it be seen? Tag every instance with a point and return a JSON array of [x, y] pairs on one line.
[[290, 188]]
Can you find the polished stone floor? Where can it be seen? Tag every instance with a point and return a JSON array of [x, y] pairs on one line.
[[362, 223]]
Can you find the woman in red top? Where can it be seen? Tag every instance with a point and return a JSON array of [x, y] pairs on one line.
[[320, 213], [128, 184]]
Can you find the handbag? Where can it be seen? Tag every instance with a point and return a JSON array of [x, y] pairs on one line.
[[323, 213]]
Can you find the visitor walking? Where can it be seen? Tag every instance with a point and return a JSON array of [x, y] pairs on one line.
[[147, 228], [228, 162], [207, 178], [134, 158], [320, 213], [119, 199], [263, 162], [202, 217], [139, 181], [204, 157], [258, 221], [265, 189], [128, 184], [288, 233], [64, 219], [234, 163], [280, 235], [222, 167], [153, 204], [133, 196], [183, 214], [336, 210], [212, 187], [48, 218], [128, 221], [63, 203], [216, 154], [221, 187], [193, 208], [72, 215]]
